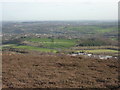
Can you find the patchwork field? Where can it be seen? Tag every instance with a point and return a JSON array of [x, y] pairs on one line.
[[60, 45], [43, 44]]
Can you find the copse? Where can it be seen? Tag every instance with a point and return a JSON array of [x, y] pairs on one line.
[[95, 42]]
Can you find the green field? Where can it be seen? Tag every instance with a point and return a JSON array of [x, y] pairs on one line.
[[102, 50], [44, 44], [98, 51], [54, 43], [57, 45]]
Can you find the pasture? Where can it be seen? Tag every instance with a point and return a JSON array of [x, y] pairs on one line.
[[54, 43]]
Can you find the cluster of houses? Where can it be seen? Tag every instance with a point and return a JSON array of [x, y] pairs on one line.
[[92, 55]]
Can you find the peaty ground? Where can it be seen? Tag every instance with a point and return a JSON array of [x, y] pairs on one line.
[[57, 71]]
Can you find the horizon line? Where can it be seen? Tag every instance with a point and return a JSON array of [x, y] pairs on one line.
[[49, 20]]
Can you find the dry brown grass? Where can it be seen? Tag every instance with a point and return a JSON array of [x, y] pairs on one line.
[[41, 71]]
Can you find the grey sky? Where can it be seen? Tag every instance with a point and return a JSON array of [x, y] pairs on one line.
[[63, 10]]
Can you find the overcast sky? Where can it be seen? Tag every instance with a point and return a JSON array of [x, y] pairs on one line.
[[33, 10]]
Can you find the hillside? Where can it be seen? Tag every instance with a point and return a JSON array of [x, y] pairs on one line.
[[40, 70]]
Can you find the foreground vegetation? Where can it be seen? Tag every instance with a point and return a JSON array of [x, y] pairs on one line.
[[38, 70]]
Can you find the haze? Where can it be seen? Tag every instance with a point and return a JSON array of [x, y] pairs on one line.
[[59, 10]]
